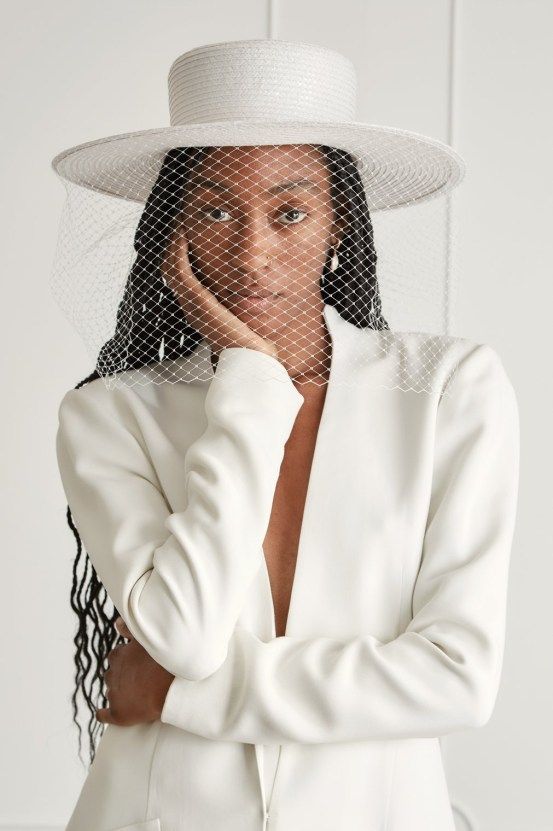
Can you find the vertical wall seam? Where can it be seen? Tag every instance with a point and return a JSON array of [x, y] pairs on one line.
[[452, 71], [450, 138], [272, 19]]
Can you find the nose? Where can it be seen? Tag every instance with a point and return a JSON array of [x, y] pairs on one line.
[[252, 246]]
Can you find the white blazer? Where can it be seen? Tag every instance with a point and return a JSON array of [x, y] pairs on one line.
[[395, 634]]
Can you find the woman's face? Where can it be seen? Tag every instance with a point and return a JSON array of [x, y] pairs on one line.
[[260, 219]]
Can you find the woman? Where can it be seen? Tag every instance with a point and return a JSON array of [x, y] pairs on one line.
[[312, 573]]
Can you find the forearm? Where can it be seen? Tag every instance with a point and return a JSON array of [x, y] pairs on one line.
[[180, 579]]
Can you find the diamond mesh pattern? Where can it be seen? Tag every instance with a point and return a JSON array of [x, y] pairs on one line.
[[242, 245]]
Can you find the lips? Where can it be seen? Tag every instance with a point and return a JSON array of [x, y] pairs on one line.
[[255, 301], [260, 293]]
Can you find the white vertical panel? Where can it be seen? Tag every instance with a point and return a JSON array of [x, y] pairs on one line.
[[401, 52], [503, 122], [399, 48]]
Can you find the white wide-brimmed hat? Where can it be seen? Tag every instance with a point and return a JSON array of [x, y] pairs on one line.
[[266, 92]]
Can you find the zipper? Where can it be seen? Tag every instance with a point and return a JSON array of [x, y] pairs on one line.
[[266, 806]]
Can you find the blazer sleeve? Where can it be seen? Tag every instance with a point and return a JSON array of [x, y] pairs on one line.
[[179, 580], [442, 672]]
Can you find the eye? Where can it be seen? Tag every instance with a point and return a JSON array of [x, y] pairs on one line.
[[208, 211], [295, 219]]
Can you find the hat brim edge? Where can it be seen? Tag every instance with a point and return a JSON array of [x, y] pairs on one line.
[[83, 165]]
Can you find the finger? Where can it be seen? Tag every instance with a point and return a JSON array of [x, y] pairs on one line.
[[181, 261], [122, 628], [104, 715], [194, 298], [176, 265]]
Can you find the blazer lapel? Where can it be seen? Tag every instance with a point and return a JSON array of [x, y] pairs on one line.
[[347, 464]]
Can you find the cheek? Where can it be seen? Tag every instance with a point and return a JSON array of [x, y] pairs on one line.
[[304, 255], [306, 251]]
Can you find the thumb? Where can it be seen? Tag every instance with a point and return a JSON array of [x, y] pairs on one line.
[[122, 628], [104, 715]]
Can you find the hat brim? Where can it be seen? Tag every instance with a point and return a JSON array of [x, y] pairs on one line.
[[397, 167]]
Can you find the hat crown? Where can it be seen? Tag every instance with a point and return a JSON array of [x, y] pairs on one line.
[[273, 80]]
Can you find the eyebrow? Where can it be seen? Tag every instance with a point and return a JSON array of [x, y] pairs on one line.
[[307, 184]]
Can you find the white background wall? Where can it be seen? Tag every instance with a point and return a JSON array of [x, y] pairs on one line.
[[473, 72]]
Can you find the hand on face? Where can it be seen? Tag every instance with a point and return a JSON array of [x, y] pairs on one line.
[[202, 309]]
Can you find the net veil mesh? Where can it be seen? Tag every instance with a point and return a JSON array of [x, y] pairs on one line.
[[244, 245]]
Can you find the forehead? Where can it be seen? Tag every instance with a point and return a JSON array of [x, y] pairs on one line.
[[263, 166]]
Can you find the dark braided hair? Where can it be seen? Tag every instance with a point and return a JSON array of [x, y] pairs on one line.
[[149, 319]]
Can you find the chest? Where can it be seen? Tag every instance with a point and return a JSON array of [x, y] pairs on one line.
[[281, 542], [344, 539]]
